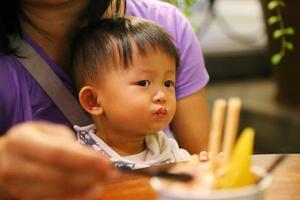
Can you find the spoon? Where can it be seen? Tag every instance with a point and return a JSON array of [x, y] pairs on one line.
[[160, 171]]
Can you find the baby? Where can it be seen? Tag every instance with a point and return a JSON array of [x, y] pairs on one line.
[[125, 71]]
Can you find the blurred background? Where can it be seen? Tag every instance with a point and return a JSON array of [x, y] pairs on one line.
[[238, 45]]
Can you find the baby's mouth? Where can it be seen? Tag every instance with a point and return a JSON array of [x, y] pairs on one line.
[[161, 112]]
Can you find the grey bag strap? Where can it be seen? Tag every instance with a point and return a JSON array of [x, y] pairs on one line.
[[51, 84]]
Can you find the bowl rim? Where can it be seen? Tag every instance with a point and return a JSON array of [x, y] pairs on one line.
[[162, 190]]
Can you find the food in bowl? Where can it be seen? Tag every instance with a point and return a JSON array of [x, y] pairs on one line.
[[202, 190], [235, 180]]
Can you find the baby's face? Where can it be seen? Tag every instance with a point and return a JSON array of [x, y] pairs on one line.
[[141, 99]]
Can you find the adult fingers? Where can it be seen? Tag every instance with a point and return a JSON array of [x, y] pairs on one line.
[[36, 162], [41, 143]]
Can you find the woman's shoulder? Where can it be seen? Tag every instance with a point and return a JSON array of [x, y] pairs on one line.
[[14, 81], [16, 84], [8, 62], [11, 72], [9, 68], [167, 16], [12, 87], [160, 12], [150, 4]]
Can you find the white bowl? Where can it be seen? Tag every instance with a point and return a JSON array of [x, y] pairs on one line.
[[252, 192]]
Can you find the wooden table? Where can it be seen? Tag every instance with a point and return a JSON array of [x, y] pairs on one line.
[[285, 184]]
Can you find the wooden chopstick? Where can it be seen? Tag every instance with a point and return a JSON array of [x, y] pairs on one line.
[[217, 125], [230, 128]]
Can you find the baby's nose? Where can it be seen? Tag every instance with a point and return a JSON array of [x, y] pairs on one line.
[[160, 97]]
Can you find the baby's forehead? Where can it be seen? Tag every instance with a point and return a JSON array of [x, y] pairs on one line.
[[123, 59]]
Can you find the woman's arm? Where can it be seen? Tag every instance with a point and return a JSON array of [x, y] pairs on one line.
[[191, 123]]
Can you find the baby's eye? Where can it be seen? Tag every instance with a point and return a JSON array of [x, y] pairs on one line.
[[169, 83], [143, 83]]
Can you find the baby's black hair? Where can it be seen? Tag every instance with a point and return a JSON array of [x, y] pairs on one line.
[[109, 43]]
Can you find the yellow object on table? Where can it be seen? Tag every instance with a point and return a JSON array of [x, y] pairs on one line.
[[237, 172]]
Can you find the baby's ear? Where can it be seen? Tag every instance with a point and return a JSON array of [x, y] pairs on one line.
[[89, 100]]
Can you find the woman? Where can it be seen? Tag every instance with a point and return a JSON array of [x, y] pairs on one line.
[[48, 26]]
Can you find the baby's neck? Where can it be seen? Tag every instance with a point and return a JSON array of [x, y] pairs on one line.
[[129, 150], [122, 144]]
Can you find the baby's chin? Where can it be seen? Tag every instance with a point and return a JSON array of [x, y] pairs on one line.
[[157, 129], [145, 131], [150, 128]]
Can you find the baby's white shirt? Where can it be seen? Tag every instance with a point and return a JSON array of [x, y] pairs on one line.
[[159, 149]]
